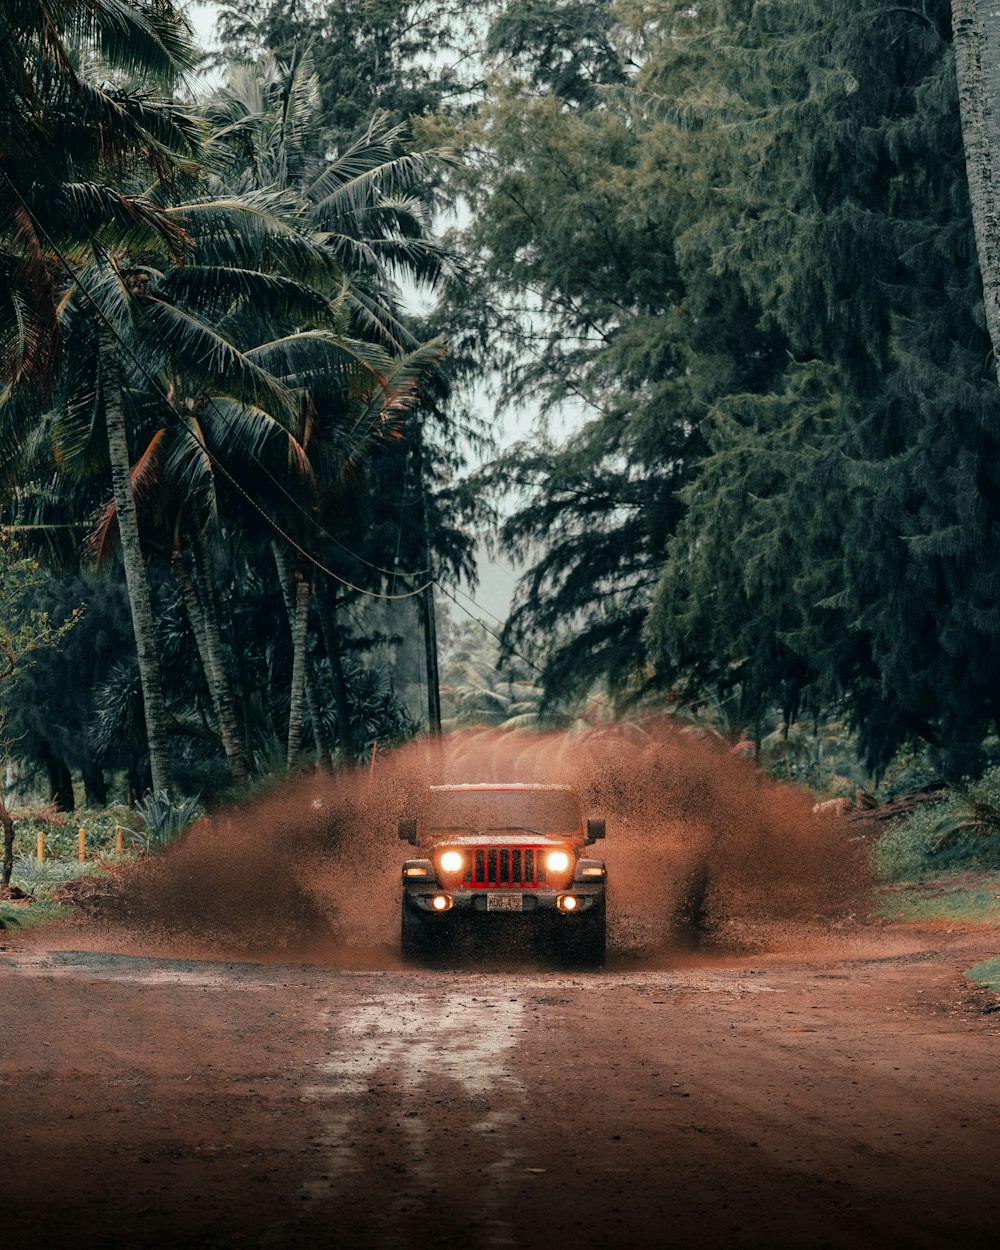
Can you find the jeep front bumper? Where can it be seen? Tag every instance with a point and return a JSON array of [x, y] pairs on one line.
[[498, 901]]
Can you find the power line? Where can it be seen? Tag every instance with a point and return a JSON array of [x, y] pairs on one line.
[[482, 625], [465, 595], [505, 645]]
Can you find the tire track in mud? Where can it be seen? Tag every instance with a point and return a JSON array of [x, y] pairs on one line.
[[401, 1058]]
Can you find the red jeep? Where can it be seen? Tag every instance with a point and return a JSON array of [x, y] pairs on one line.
[[494, 849]]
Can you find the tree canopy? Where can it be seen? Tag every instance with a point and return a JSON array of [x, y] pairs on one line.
[[754, 262]]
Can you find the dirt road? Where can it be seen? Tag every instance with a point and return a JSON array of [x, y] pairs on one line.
[[847, 1098]]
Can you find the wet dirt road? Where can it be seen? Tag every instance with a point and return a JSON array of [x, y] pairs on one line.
[[845, 1100]]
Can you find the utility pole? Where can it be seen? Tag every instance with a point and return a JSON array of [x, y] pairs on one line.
[[430, 650], [430, 627], [427, 602]]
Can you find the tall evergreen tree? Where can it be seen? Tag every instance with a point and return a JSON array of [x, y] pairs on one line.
[[840, 543], [756, 263]]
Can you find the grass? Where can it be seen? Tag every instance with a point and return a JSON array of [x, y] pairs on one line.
[[31, 915], [61, 832], [986, 974], [43, 881], [967, 897]]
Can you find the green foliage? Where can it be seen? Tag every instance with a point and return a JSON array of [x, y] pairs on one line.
[[960, 833], [820, 755], [563, 47], [61, 836], [986, 973], [82, 131], [754, 264], [24, 626], [265, 361], [400, 56], [837, 547], [163, 818], [481, 685], [377, 714]]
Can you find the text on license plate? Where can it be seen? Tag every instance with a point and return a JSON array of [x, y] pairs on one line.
[[503, 902]]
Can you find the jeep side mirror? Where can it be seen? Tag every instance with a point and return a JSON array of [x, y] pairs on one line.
[[595, 830], [408, 831]]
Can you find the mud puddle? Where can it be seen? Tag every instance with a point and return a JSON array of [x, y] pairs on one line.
[[707, 857]]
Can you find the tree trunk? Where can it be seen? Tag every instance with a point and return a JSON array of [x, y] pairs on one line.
[[300, 622], [327, 609], [8, 845], [431, 660], [150, 676], [300, 667], [60, 781], [199, 600], [976, 36], [94, 784], [429, 617]]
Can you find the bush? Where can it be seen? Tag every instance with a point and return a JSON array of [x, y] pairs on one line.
[[61, 832], [961, 832]]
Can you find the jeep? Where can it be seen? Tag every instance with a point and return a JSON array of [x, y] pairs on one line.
[[503, 850]]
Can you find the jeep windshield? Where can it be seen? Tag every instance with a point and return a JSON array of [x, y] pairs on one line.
[[479, 811]]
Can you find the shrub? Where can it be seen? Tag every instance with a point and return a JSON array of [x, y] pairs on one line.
[[961, 832]]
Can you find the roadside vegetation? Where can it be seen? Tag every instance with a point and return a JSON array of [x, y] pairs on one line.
[[942, 863], [260, 340]]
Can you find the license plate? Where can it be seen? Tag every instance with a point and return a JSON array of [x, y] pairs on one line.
[[503, 902]]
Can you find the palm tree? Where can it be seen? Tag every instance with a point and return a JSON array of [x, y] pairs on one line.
[[197, 396], [73, 158], [363, 207], [482, 686], [68, 146]]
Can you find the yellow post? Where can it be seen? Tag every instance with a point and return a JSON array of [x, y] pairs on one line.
[[82, 839], [371, 770], [41, 847], [118, 840]]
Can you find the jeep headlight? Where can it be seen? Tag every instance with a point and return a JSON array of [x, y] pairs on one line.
[[451, 861], [557, 861]]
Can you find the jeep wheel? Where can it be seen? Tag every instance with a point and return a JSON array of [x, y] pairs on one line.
[[586, 945], [414, 939]]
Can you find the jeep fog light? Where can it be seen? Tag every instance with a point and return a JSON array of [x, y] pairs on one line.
[[566, 902], [452, 861], [441, 902], [557, 861]]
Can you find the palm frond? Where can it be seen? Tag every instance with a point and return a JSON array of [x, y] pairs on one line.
[[251, 232], [239, 433], [215, 290], [210, 359]]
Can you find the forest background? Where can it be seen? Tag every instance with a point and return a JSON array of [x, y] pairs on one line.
[[745, 241]]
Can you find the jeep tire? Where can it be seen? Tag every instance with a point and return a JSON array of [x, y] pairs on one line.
[[414, 939], [586, 945]]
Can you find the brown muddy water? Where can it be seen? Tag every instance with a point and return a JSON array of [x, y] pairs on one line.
[[705, 855]]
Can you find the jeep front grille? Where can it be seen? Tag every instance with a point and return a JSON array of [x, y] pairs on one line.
[[510, 866]]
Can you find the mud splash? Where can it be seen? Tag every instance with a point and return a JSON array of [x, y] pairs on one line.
[[703, 851]]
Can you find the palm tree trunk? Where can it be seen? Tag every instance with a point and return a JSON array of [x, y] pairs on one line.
[[976, 38], [197, 615], [300, 622], [150, 677], [218, 676], [303, 690], [327, 609]]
